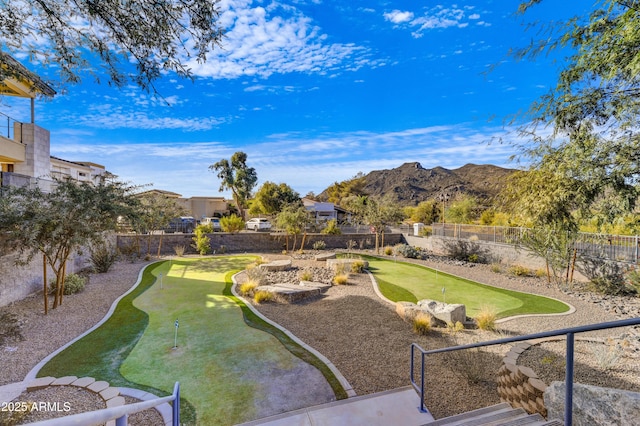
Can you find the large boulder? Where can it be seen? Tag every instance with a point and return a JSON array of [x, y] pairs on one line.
[[449, 313], [594, 406], [277, 265], [408, 311]]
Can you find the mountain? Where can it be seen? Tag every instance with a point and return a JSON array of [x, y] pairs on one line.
[[410, 183]]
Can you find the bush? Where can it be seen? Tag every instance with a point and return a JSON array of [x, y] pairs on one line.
[[454, 328], [466, 250], [407, 251], [496, 267], [179, 250], [388, 250], [231, 224], [331, 228], [632, 279], [605, 276], [247, 288], [201, 240], [256, 275], [102, 257], [357, 267], [519, 271], [73, 283], [340, 279], [422, 324], [486, 319], [319, 245], [306, 275], [261, 296]]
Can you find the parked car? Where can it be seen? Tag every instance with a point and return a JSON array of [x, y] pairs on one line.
[[184, 224], [257, 224], [213, 221]]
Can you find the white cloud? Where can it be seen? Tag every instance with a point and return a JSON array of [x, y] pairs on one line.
[[278, 39], [398, 17], [438, 17]]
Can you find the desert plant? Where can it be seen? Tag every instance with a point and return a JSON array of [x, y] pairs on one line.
[[102, 257], [256, 275], [540, 273], [231, 224], [632, 279], [496, 267], [407, 251], [470, 364], [454, 328], [319, 245], [351, 244], [10, 327], [460, 249], [306, 275], [606, 357], [73, 283], [331, 228], [474, 258], [247, 288], [519, 271], [486, 319], [261, 296], [422, 324], [357, 267], [605, 276], [388, 250], [341, 279], [179, 250], [202, 243]]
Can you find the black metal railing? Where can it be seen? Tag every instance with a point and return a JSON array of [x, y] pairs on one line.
[[569, 332], [7, 127]]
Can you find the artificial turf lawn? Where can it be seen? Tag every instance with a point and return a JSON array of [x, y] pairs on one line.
[[216, 355], [401, 281]]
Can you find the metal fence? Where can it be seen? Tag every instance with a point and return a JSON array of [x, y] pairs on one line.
[[619, 248], [7, 127]]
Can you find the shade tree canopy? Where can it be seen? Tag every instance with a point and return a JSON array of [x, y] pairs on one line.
[[235, 175]]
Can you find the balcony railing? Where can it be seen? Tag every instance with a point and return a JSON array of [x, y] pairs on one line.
[[569, 361], [7, 127]]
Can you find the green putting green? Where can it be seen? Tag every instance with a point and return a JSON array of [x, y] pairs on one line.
[[220, 362], [402, 281]]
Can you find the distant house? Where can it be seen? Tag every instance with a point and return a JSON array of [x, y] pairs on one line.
[[25, 157], [197, 207], [323, 211]]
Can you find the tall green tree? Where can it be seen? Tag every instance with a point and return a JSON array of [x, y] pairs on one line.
[[339, 191], [584, 131], [294, 218], [236, 176], [271, 198], [102, 39], [57, 223], [154, 214], [378, 213]]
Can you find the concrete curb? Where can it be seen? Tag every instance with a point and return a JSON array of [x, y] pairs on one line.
[[343, 381]]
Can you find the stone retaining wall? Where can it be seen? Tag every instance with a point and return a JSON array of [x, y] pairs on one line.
[[246, 242]]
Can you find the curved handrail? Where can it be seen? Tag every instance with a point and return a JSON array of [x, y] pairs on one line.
[[569, 332], [118, 413]]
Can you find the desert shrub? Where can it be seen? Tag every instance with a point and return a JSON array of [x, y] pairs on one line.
[[231, 224], [357, 267], [454, 328], [407, 251], [605, 276], [202, 243], [470, 364], [351, 244], [465, 250], [606, 356], [179, 250], [73, 283], [486, 319], [261, 296], [422, 324], [632, 279], [247, 288], [331, 228], [388, 250], [341, 279], [222, 249], [256, 274], [102, 257], [519, 271], [426, 231], [306, 275], [496, 267], [540, 273], [10, 327], [130, 251], [319, 245]]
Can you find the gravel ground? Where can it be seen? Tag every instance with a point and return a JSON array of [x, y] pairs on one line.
[[380, 359], [360, 334]]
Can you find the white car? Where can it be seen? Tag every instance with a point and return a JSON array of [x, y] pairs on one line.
[[257, 224]]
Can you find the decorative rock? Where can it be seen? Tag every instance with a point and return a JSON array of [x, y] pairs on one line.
[[445, 312], [64, 381], [115, 402], [296, 292], [40, 383], [109, 393], [83, 382], [324, 256], [98, 387], [277, 265], [594, 405]]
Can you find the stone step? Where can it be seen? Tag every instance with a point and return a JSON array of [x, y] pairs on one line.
[[495, 415]]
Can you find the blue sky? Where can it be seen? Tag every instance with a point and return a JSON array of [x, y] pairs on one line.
[[315, 91]]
